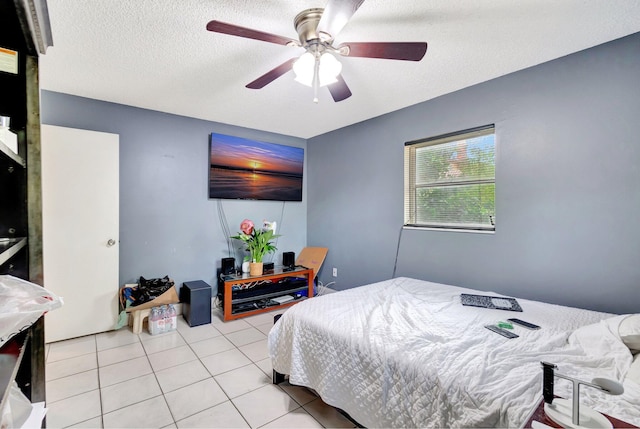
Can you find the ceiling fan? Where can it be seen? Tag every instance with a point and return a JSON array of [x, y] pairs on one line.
[[317, 29]]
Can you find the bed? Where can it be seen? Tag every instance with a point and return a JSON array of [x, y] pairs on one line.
[[406, 353]]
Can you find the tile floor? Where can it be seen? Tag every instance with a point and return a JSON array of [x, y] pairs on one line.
[[210, 376]]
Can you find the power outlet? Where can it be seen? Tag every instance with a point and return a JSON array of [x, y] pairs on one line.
[[335, 272]]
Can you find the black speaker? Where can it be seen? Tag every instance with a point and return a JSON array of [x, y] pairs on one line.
[[228, 265], [288, 259], [196, 299]]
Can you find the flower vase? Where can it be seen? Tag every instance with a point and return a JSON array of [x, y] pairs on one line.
[[245, 266], [255, 268]]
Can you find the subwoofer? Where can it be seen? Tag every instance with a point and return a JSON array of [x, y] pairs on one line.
[[288, 259], [228, 265]]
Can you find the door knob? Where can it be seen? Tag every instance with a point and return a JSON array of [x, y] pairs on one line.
[[111, 242]]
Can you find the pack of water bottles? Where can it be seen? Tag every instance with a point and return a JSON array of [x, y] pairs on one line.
[[163, 319]]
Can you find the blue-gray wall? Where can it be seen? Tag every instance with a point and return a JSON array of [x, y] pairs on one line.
[[168, 226], [567, 192]]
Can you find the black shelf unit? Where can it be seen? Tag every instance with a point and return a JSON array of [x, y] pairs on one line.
[[268, 295], [24, 29], [13, 214], [11, 356], [244, 305]]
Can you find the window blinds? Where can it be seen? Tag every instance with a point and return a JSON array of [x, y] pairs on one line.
[[450, 181]]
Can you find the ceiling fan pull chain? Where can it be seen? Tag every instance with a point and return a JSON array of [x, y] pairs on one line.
[[316, 77]]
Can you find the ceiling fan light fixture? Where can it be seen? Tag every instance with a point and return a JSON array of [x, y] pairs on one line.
[[318, 66], [328, 69], [303, 68]]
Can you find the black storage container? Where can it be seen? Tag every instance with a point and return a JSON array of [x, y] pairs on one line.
[[196, 302]]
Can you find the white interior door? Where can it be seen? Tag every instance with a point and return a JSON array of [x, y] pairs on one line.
[[80, 224]]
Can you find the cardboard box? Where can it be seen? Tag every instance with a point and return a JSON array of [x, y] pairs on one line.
[[312, 257]]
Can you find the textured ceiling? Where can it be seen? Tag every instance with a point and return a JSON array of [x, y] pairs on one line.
[[157, 54]]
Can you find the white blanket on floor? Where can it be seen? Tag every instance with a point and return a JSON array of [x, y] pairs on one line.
[[406, 353]]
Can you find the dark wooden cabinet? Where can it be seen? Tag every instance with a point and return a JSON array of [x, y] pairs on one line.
[[24, 34]]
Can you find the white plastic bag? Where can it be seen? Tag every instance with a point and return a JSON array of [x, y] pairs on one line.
[[21, 304], [19, 412]]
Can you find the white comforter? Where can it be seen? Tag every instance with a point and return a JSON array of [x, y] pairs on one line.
[[406, 353]]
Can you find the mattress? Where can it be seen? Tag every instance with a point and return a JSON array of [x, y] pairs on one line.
[[406, 353]]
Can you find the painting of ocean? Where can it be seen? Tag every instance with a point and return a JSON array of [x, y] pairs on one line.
[[248, 169]]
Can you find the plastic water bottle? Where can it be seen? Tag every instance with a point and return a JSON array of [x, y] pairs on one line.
[[173, 319], [154, 316], [167, 318], [162, 320]]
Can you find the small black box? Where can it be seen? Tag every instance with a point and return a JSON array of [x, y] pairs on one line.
[[267, 266], [228, 265], [196, 302], [288, 259]]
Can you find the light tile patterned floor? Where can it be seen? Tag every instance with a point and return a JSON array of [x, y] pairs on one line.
[[210, 376]]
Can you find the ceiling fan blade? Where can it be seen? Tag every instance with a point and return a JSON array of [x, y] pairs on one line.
[[335, 16], [236, 30], [272, 75], [408, 51], [339, 90]]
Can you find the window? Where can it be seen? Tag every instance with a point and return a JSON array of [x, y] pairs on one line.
[[450, 181]]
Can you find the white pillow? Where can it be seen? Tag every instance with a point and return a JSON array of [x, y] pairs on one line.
[[629, 331], [634, 370]]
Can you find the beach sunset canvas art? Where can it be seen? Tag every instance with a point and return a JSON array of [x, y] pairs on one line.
[[248, 169]]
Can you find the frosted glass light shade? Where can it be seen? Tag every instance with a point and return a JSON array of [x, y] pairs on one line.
[[328, 70], [303, 68]]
